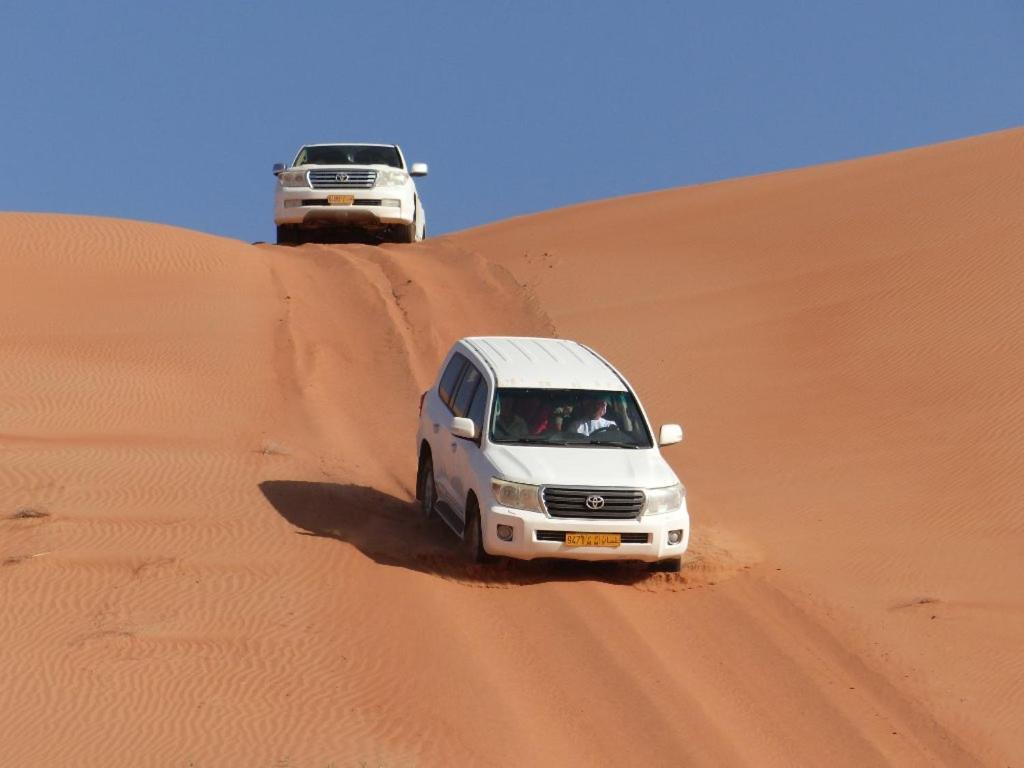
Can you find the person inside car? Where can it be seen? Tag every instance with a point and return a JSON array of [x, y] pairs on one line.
[[593, 417]]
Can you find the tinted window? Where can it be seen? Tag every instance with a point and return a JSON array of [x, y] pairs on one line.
[[468, 387], [450, 378], [349, 154], [477, 407], [573, 417]]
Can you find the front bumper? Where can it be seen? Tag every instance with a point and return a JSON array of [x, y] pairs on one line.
[[310, 207], [530, 529]]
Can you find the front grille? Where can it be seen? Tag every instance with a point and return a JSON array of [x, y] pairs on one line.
[[339, 178], [627, 538], [619, 503]]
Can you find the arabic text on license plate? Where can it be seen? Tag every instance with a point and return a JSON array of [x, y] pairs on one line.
[[339, 199], [592, 539]]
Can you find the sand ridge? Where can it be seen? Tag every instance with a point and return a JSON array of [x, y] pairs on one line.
[[209, 554]]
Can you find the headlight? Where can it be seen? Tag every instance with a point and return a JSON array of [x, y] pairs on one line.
[[661, 500], [293, 179], [516, 495], [392, 177]]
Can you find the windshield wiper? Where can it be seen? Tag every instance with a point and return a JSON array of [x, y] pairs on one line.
[[615, 443]]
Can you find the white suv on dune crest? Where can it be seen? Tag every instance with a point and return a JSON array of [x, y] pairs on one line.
[[539, 448], [365, 188]]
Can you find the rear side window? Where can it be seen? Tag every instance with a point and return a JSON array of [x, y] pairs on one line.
[[450, 378], [470, 383]]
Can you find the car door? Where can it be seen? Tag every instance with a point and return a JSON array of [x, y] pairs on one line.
[[470, 402], [438, 434]]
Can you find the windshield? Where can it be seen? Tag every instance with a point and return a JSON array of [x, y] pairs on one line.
[[349, 154], [574, 417]]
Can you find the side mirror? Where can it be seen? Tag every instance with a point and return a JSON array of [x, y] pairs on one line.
[[278, 167], [418, 169], [462, 427], [670, 434]]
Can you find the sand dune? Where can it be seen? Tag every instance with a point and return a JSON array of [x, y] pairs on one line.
[[210, 556]]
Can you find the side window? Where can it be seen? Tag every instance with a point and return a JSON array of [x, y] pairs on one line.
[[450, 378], [476, 408], [467, 388]]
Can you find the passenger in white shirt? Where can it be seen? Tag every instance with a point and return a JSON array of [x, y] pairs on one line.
[[593, 417]]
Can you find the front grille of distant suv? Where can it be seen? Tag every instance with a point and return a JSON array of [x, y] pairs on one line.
[[619, 503], [357, 178]]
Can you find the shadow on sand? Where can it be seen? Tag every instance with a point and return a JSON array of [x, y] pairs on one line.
[[392, 531]]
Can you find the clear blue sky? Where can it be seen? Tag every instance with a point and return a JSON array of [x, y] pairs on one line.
[[175, 111]]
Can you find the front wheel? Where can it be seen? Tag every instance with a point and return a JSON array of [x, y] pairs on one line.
[[472, 536], [428, 491], [672, 565], [289, 234], [405, 233]]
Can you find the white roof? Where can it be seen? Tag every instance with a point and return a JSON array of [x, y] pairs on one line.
[[544, 363]]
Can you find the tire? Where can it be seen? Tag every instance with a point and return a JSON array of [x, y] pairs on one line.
[[671, 565], [472, 538], [289, 234], [428, 490], [405, 233]]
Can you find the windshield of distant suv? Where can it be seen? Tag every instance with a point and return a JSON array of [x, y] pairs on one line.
[[568, 417], [349, 154]]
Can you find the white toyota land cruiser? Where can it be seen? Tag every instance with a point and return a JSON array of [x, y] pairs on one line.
[[539, 448], [349, 187]]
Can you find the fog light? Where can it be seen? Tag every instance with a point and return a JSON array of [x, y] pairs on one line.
[[292, 203], [505, 532], [674, 537], [390, 203]]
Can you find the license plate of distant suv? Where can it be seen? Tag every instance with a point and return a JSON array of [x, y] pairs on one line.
[[339, 199], [592, 539]]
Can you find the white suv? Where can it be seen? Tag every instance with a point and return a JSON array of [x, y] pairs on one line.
[[349, 187], [539, 448]]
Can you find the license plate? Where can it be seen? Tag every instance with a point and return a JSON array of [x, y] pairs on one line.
[[340, 199], [592, 539]]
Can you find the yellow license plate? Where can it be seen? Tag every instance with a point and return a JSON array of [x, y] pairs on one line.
[[340, 199], [592, 539]]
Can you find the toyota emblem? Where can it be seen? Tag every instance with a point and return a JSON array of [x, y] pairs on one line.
[[595, 502], [341, 177]]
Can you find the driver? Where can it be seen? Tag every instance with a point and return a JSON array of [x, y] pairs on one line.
[[593, 417]]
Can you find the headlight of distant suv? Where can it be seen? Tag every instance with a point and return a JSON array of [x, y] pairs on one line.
[[293, 179], [516, 495], [668, 499], [392, 177]]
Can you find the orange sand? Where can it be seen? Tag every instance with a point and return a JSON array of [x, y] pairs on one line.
[[208, 553]]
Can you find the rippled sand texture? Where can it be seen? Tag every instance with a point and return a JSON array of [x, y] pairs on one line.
[[209, 554]]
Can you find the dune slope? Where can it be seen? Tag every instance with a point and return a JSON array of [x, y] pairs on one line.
[[209, 554], [845, 344]]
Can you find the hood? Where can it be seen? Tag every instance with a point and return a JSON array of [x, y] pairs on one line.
[[600, 467]]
